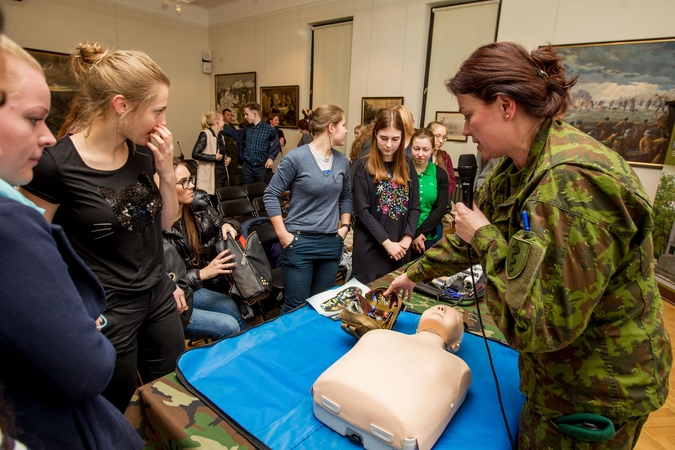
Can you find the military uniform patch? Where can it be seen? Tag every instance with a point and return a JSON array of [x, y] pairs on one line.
[[516, 259]]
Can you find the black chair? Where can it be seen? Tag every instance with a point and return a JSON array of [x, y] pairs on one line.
[[239, 209], [268, 237], [254, 190], [237, 180], [230, 193], [259, 206]]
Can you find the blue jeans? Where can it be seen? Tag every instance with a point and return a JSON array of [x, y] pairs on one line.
[[214, 315], [310, 265]]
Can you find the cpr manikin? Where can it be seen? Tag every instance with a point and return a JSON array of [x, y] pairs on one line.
[[394, 390]]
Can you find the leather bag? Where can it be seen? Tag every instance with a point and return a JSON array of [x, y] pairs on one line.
[[175, 268], [372, 312], [252, 276]]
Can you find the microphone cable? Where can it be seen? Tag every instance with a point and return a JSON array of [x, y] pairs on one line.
[[487, 348]]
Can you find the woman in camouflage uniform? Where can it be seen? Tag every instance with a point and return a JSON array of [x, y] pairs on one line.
[[574, 290]]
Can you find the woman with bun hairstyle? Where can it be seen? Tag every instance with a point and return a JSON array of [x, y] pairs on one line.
[[563, 230], [206, 152], [386, 201], [55, 363], [109, 182], [317, 223], [303, 128]]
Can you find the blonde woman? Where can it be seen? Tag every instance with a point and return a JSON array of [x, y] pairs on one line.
[[441, 158], [109, 182], [206, 152], [55, 363], [408, 125]]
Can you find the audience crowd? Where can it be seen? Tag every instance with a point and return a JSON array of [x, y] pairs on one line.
[[127, 255]]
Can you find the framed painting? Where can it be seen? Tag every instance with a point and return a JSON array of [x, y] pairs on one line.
[[621, 93], [234, 91], [453, 121], [282, 100], [62, 85], [371, 105]]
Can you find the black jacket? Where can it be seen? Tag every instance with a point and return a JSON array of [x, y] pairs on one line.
[[209, 224], [200, 146]]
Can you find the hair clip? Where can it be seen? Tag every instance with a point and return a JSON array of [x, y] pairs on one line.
[[543, 74]]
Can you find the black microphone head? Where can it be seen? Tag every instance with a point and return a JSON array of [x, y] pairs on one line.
[[467, 167]]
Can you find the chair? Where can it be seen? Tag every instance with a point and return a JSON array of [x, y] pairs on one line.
[[268, 237], [239, 209], [237, 180], [259, 206], [230, 193], [254, 190]]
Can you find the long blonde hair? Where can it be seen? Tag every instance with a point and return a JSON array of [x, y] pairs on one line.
[[10, 48], [366, 133], [103, 74], [408, 122]]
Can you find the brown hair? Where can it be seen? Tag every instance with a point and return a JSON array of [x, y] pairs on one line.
[[423, 133], [190, 229], [535, 80], [366, 133], [388, 118], [253, 106], [102, 75], [408, 121], [303, 124], [322, 116], [437, 156], [271, 117]]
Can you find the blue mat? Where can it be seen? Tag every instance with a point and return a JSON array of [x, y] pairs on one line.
[[262, 380]]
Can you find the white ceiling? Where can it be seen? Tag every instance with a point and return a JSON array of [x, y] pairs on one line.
[[212, 12]]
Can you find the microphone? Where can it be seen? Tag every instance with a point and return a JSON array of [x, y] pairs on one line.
[[467, 174]]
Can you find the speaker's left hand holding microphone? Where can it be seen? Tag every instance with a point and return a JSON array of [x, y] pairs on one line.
[[468, 221]]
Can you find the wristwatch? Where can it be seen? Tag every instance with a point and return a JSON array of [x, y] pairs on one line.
[[347, 226]]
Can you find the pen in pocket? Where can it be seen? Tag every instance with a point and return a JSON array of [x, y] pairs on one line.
[[526, 220]]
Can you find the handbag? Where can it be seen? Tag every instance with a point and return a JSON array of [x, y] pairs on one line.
[[373, 312], [252, 275]]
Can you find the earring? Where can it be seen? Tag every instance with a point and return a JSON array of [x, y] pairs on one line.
[[506, 116]]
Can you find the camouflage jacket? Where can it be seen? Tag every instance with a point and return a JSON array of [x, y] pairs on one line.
[[576, 296]]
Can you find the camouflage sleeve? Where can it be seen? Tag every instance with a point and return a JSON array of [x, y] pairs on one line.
[[447, 257], [545, 283]]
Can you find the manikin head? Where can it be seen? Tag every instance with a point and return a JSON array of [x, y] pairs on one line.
[[446, 322]]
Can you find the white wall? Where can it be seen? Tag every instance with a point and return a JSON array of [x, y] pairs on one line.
[[388, 52], [536, 22], [59, 25]]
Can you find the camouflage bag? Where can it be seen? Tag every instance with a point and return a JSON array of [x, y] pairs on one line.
[[372, 312]]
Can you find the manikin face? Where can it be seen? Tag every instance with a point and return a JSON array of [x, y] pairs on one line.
[[275, 121], [339, 132], [185, 194], [388, 140], [227, 117], [421, 150], [440, 134], [446, 322], [484, 123], [23, 131], [142, 125]]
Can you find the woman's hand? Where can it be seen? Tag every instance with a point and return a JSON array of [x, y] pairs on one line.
[[285, 239], [179, 296], [163, 151], [342, 231], [227, 161], [395, 249], [468, 221], [219, 157], [402, 285], [220, 265], [418, 243], [228, 229]]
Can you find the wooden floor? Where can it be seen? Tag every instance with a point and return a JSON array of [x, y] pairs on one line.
[[659, 431]]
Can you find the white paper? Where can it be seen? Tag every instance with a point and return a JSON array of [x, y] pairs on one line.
[[329, 303]]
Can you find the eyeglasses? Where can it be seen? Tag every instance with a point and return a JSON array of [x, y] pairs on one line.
[[185, 184]]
